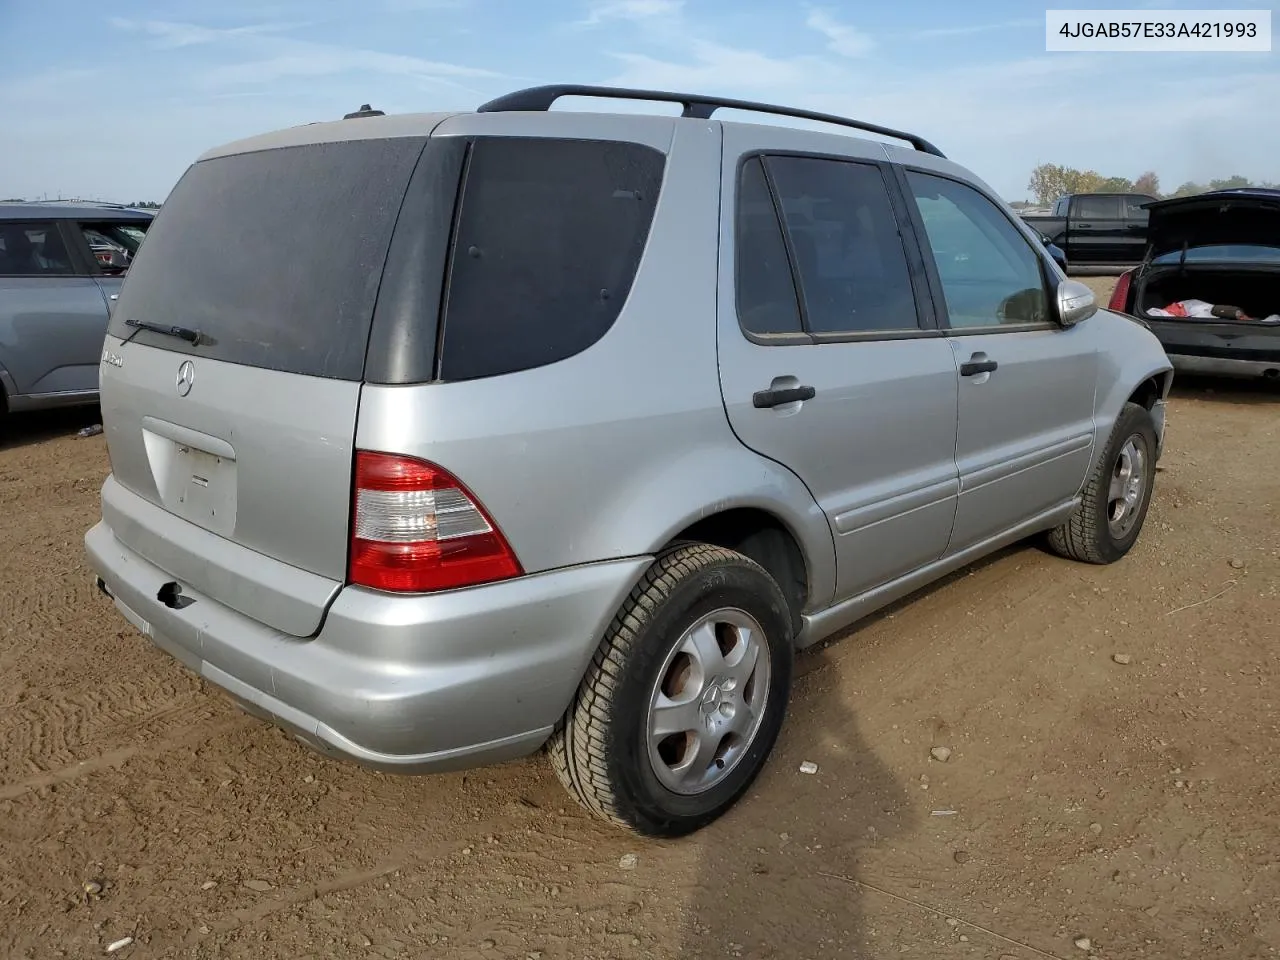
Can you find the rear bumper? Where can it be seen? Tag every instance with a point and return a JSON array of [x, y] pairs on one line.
[[404, 684], [1224, 349], [1224, 366]]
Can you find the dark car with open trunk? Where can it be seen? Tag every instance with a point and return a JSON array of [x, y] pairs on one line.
[[1209, 286]]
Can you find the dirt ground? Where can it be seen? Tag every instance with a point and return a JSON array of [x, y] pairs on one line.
[[1136, 804]]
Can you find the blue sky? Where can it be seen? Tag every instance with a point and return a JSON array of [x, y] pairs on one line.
[[113, 100]]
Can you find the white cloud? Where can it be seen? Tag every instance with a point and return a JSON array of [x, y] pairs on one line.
[[841, 38], [713, 67], [602, 11], [171, 35], [298, 58], [48, 87], [270, 57], [975, 28], [413, 6]]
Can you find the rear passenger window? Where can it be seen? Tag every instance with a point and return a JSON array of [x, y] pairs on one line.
[[766, 292], [32, 250], [546, 247], [1097, 208], [846, 248]]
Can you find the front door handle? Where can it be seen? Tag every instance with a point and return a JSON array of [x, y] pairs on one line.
[[972, 367], [777, 396]]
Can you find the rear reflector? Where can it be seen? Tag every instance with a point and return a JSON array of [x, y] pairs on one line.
[[415, 529], [1120, 295]]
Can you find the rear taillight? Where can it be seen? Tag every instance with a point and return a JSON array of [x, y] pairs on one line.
[[415, 528], [1120, 295]]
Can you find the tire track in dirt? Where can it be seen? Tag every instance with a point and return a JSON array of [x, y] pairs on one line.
[[422, 858], [188, 736], [43, 734]]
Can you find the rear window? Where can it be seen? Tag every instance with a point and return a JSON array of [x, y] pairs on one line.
[[548, 238], [275, 256], [1224, 253]]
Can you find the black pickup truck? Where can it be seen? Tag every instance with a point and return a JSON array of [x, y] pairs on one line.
[[1097, 229]]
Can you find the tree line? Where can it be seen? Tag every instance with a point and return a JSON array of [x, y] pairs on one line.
[[1049, 181], [140, 205]]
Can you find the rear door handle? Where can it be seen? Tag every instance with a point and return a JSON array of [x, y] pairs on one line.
[[971, 368], [777, 396]]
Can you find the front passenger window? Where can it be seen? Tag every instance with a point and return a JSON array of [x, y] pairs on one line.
[[990, 273]]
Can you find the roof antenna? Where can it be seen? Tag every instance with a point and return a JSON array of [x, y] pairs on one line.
[[364, 111]]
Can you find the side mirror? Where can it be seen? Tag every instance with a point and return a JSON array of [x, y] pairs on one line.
[[1075, 303]]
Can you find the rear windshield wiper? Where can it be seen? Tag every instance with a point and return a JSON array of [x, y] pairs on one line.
[[182, 333]]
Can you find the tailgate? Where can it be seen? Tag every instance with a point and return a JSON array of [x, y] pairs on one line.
[[231, 442], [241, 488]]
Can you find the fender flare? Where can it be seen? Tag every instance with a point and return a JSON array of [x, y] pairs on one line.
[[651, 510], [8, 387], [1120, 390]]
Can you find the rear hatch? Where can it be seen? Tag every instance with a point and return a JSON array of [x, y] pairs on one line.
[[1248, 217], [1211, 280], [231, 457]]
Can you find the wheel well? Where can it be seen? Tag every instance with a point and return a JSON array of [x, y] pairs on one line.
[[766, 540], [1149, 391]]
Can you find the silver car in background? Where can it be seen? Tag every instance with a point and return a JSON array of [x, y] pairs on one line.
[[61, 265], [440, 439]]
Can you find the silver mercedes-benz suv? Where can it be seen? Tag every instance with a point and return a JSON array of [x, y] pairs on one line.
[[439, 439]]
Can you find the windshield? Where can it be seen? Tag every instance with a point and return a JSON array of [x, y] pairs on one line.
[[1224, 253]]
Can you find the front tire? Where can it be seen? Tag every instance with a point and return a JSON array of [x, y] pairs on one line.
[[1114, 504], [684, 698]]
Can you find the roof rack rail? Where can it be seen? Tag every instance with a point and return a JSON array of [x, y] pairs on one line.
[[695, 105]]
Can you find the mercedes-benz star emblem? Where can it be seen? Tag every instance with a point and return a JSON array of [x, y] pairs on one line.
[[186, 377]]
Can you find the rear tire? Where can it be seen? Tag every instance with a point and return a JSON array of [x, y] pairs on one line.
[[702, 648], [1114, 504]]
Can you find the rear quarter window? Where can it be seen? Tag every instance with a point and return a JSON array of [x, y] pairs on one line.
[[548, 238]]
